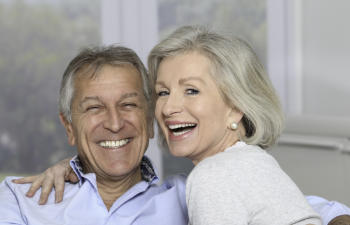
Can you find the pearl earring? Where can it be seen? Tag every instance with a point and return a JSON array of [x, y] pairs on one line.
[[234, 126]]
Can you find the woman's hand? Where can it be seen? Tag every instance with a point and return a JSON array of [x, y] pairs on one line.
[[53, 177]]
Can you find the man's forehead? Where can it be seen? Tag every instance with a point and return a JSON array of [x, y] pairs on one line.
[[122, 81], [93, 71]]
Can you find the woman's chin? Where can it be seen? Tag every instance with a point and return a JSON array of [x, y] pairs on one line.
[[179, 152]]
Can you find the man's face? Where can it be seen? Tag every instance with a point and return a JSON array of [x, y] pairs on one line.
[[109, 121]]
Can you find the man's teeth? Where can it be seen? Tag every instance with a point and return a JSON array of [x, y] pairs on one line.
[[114, 144], [176, 126]]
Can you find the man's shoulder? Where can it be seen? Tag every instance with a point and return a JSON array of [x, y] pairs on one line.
[[8, 184], [19, 190]]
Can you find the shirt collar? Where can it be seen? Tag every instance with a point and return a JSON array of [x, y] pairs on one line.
[[148, 173]]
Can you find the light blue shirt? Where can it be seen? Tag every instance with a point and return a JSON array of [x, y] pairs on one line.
[[327, 209], [145, 203]]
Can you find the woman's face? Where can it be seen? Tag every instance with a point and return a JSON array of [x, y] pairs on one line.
[[190, 110]]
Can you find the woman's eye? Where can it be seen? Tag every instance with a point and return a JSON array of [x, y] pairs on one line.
[[191, 91], [162, 93]]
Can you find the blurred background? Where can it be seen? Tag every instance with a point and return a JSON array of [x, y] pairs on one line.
[[304, 45]]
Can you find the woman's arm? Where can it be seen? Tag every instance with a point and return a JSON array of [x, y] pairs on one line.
[[53, 177]]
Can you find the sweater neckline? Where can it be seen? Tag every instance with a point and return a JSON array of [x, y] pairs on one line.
[[238, 144]]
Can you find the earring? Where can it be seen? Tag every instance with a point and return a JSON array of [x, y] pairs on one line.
[[234, 126]]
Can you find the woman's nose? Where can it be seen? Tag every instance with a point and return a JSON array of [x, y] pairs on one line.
[[172, 105]]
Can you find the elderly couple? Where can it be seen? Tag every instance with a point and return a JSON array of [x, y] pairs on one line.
[[213, 103]]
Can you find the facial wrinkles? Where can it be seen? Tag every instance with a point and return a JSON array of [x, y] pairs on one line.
[[207, 109], [85, 156], [107, 91]]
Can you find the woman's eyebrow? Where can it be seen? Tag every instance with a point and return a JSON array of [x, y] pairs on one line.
[[184, 80]]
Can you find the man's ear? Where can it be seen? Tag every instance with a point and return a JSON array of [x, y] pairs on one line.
[[69, 129]]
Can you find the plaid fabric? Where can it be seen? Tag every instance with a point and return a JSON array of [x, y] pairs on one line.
[[147, 171]]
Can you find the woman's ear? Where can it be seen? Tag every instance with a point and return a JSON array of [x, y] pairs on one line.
[[69, 129], [235, 116]]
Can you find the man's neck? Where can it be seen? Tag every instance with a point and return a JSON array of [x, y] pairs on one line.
[[111, 190]]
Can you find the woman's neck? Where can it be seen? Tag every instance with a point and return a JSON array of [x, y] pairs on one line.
[[227, 141]]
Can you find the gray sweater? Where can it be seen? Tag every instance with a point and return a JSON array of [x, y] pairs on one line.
[[245, 185]]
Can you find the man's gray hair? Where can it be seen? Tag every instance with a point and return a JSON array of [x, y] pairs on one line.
[[238, 74], [92, 60]]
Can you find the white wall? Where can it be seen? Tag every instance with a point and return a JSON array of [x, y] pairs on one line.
[[326, 57], [309, 63]]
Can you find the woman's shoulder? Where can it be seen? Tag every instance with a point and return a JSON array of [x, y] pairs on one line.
[[242, 167], [241, 156]]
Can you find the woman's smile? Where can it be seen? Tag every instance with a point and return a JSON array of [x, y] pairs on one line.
[[190, 109]]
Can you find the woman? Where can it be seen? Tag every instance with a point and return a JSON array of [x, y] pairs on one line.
[[216, 106]]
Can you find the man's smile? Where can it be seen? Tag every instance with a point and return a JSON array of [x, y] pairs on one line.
[[114, 144]]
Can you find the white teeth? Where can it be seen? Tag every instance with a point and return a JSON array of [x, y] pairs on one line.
[[183, 125], [175, 126], [114, 144], [180, 133]]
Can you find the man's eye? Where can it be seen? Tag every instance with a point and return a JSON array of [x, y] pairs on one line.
[[162, 93], [93, 108], [192, 91], [129, 104]]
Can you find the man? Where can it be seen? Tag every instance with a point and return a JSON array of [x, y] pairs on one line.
[[104, 108]]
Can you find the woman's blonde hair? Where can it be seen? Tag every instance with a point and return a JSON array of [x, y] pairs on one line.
[[239, 75]]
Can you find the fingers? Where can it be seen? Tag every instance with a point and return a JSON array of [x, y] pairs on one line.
[[53, 177], [35, 186], [46, 187], [59, 189], [25, 180], [72, 177], [38, 181]]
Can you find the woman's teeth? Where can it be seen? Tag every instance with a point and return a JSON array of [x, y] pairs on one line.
[[176, 126], [180, 129], [180, 133]]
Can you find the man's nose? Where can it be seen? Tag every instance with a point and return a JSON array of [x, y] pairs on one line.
[[173, 104], [114, 121]]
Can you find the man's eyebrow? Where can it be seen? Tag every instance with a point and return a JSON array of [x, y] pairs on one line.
[[96, 98], [89, 98], [129, 95]]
